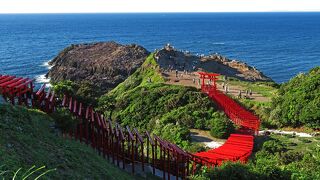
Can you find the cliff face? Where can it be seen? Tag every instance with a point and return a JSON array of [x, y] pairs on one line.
[[171, 58], [104, 65]]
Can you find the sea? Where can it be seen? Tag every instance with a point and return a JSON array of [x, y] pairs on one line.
[[280, 45]]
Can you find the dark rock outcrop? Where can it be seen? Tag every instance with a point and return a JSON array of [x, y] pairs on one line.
[[104, 65], [170, 58]]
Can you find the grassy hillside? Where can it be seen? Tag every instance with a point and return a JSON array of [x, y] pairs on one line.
[[298, 102], [27, 139], [143, 101]]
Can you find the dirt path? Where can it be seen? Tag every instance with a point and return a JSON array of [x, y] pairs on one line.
[[187, 80], [201, 136]]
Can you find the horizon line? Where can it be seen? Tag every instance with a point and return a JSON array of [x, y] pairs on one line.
[[218, 12]]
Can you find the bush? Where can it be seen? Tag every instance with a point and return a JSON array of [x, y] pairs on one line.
[[177, 134], [64, 120], [298, 101], [290, 156], [291, 144], [274, 146], [222, 127], [84, 92], [65, 87], [231, 170], [196, 147], [304, 140], [289, 135]]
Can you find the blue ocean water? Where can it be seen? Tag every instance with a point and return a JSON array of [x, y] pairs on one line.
[[279, 44]]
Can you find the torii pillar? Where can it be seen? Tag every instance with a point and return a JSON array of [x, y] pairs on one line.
[[208, 76]]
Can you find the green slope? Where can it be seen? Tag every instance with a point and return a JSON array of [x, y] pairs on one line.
[[145, 102], [27, 139], [298, 102]]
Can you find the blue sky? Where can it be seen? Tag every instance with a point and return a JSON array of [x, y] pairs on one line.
[[91, 6]]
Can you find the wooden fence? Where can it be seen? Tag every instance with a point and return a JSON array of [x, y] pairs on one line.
[[123, 146]]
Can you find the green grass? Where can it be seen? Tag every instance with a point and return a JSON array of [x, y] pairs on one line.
[[266, 89], [303, 144], [27, 139], [166, 110], [149, 70]]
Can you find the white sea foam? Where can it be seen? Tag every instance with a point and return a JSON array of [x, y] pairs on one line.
[[42, 79], [218, 43], [46, 64]]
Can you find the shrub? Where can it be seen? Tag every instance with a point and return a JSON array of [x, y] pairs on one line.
[[222, 127], [196, 147], [298, 101], [304, 140], [175, 133], [291, 144], [84, 92], [274, 146], [290, 156], [64, 120], [289, 135], [229, 170]]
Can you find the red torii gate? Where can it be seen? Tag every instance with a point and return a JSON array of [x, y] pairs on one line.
[[233, 110], [11, 86], [213, 77]]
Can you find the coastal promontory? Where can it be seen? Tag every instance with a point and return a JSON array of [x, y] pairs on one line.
[[103, 65]]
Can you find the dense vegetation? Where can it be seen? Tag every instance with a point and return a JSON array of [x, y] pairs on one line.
[[143, 101], [28, 138], [298, 102], [276, 157], [261, 108], [85, 92]]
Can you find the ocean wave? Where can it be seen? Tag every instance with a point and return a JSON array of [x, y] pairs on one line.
[[218, 43], [46, 64], [42, 79]]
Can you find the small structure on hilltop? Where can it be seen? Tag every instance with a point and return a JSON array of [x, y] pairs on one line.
[[168, 47], [211, 77]]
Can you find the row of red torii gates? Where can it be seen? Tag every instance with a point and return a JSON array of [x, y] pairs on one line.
[[123, 146], [237, 114], [238, 147]]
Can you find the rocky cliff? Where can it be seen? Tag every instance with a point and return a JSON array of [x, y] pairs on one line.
[[170, 58], [104, 65]]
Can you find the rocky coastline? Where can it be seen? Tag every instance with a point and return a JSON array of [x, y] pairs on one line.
[[104, 65]]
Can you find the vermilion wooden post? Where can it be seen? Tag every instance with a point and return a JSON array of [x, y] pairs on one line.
[[168, 158], [93, 134], [140, 139], [132, 147], [87, 125], [150, 142], [103, 135], [117, 135], [112, 143], [148, 145], [108, 140], [99, 140], [70, 104], [64, 101], [177, 164], [52, 102], [80, 116], [122, 145], [47, 100], [161, 161], [188, 173]]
